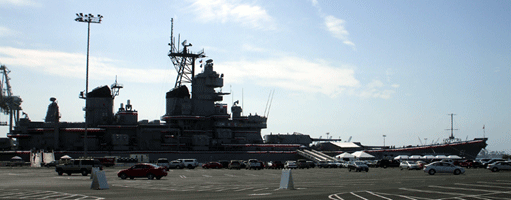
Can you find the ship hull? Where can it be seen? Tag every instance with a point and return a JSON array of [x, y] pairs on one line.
[[467, 149]]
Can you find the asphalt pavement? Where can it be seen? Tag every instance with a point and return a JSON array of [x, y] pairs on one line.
[[337, 183]]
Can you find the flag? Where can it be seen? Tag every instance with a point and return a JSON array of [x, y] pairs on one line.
[[483, 126]]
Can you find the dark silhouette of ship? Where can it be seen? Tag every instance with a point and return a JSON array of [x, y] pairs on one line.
[[196, 124]]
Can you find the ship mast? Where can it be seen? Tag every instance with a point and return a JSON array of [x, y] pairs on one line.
[[451, 138], [184, 61]]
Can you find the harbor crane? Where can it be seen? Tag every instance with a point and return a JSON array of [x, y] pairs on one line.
[[9, 104]]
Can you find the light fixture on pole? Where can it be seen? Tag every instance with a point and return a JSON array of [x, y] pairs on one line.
[[87, 19], [384, 140]]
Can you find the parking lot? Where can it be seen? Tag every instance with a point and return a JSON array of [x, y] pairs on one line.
[[378, 183]]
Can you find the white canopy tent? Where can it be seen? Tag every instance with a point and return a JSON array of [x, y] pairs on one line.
[[414, 157], [453, 157], [362, 155], [345, 156], [401, 157], [427, 157], [16, 158], [65, 157], [440, 156]]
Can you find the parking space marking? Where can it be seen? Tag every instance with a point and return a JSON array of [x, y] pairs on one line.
[[40, 194], [358, 196], [468, 189], [378, 195], [182, 176], [492, 186]]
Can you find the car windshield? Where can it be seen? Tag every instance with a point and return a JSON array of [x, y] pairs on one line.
[[359, 163], [411, 162]]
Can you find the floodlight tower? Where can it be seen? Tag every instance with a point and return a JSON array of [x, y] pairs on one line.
[[87, 19]]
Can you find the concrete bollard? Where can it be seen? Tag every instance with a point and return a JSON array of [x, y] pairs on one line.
[[286, 180]]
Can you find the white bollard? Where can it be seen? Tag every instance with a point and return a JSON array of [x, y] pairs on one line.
[[286, 180]]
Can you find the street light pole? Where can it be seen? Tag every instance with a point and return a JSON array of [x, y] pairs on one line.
[[384, 140], [87, 19]]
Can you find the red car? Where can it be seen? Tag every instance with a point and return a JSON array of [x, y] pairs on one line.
[[143, 170], [210, 165]]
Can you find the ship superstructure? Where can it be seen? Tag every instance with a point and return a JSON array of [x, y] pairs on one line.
[[194, 121]]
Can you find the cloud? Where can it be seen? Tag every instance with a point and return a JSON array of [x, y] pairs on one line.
[[4, 31], [336, 27], [377, 89], [73, 65], [19, 2], [292, 73], [251, 16]]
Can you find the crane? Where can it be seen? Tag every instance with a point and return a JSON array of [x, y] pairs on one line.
[[9, 104]]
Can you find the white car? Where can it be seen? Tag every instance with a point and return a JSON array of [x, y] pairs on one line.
[[409, 165], [497, 166], [290, 164], [443, 167]]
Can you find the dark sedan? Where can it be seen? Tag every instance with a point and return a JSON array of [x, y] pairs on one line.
[[215, 165], [148, 170]]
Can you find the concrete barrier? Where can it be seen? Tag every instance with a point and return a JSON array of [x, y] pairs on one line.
[[286, 180], [99, 181]]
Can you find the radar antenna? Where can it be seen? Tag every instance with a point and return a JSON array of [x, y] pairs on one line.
[[184, 61], [9, 104], [115, 88]]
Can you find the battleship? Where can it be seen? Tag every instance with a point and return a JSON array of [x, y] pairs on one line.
[[196, 124]]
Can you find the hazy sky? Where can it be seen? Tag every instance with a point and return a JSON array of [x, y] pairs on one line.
[[350, 68]]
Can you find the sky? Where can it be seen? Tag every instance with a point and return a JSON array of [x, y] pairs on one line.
[[353, 69]]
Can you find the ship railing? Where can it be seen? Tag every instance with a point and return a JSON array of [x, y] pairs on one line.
[[315, 156], [324, 155], [308, 155], [320, 157]]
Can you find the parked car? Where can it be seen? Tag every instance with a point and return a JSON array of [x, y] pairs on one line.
[[275, 165], [470, 164], [302, 164], [409, 165], [501, 165], [387, 163], [311, 164], [358, 166], [163, 162], [51, 164], [148, 170], [290, 164], [443, 167], [421, 163], [225, 163], [234, 164], [254, 164], [83, 166], [215, 165], [190, 163], [107, 162], [323, 164], [491, 161], [176, 164]]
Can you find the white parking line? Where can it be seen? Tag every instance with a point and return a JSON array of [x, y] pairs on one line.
[[492, 186], [430, 191], [378, 195], [358, 196], [469, 189], [494, 183]]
